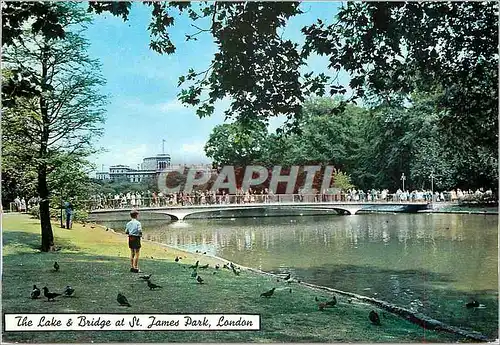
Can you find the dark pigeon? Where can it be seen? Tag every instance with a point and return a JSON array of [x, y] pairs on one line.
[[268, 293], [35, 293], [153, 286], [122, 300], [50, 295], [472, 304], [332, 302], [68, 291], [374, 318]]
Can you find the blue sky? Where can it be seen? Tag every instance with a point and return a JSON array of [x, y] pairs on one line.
[[142, 86]]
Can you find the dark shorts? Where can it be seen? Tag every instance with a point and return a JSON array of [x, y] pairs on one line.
[[134, 242]]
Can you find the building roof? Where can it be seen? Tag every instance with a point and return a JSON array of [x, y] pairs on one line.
[[135, 172], [159, 155]]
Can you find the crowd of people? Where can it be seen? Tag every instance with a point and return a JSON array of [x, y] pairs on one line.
[[153, 199]]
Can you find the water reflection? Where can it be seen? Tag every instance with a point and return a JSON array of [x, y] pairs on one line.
[[428, 262]]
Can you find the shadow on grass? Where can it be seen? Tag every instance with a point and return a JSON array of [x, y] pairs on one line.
[[32, 241]]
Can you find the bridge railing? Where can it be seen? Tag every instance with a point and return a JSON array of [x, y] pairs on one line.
[[166, 201]]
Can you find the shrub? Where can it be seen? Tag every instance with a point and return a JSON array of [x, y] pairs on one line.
[[35, 211], [80, 216]]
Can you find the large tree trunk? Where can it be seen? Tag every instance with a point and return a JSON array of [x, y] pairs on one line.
[[43, 189]]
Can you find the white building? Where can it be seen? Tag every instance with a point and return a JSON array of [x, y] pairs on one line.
[[149, 169]]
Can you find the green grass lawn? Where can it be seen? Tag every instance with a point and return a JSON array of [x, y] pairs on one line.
[[95, 262]]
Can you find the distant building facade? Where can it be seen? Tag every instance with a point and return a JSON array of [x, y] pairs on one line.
[[149, 169]]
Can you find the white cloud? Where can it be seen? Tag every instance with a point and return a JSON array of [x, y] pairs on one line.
[[170, 106], [120, 154], [196, 147]]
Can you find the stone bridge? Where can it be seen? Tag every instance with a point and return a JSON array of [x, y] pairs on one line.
[[349, 208]]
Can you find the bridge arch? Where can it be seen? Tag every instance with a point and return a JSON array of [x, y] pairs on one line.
[[179, 214]]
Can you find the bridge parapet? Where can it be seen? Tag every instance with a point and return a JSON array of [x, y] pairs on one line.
[[180, 212]]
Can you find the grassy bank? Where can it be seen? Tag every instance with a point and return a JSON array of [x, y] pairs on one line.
[[95, 262]]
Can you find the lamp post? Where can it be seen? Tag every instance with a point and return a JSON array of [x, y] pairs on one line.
[[403, 178], [432, 186]]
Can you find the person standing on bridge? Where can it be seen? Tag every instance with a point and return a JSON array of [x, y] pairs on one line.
[[134, 231]]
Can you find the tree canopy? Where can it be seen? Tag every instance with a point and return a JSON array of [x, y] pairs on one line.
[[425, 74], [50, 129], [387, 48]]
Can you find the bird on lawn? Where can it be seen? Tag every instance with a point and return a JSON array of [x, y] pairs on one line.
[[204, 266], [473, 304], [236, 272], [194, 274], [35, 293], [176, 259], [290, 290], [287, 277], [268, 293], [122, 300], [50, 295], [195, 266], [146, 277], [226, 266], [332, 302], [199, 279], [56, 266], [68, 291], [374, 318], [153, 286], [217, 266]]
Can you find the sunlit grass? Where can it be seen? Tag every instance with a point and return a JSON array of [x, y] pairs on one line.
[[95, 262]]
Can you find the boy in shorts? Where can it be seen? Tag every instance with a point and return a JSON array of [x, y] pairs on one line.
[[134, 231]]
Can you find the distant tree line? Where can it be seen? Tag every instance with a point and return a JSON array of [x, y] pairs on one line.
[[373, 146]]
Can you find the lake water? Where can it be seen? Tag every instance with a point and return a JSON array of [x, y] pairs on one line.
[[431, 263]]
